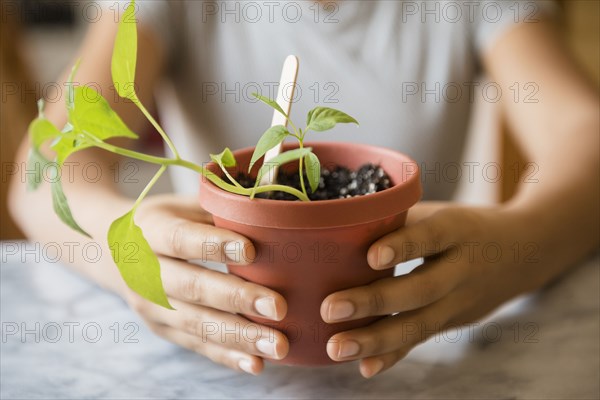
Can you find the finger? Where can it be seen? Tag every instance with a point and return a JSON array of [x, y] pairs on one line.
[[424, 285], [185, 239], [394, 333], [171, 205], [198, 285], [423, 210], [230, 358], [221, 328], [372, 366], [188, 206], [429, 236]]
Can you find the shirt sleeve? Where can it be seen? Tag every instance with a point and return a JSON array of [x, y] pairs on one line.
[[490, 19]]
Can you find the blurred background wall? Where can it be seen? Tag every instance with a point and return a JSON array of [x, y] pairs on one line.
[[38, 39]]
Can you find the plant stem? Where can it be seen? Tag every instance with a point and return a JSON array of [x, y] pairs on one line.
[[196, 168], [148, 187], [280, 188], [129, 153], [302, 134], [293, 126], [301, 172], [230, 177], [150, 118]]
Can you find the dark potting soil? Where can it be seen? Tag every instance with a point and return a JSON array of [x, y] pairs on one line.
[[337, 183]]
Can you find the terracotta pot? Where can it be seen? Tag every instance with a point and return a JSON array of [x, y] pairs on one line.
[[308, 250]]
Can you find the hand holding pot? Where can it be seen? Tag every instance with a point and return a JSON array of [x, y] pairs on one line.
[[207, 301], [475, 259]]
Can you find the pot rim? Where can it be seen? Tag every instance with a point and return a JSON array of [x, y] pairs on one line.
[[321, 213]]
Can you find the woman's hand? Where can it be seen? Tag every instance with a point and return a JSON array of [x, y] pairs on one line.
[[207, 302], [475, 259]]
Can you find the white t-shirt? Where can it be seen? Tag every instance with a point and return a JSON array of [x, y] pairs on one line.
[[405, 69]]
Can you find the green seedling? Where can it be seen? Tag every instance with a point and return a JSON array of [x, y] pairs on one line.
[[92, 122]]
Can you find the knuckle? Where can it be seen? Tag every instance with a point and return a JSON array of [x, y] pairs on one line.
[[408, 246], [375, 301], [435, 236], [176, 237], [191, 288], [236, 297], [193, 326], [426, 291], [212, 247], [372, 345], [241, 295]]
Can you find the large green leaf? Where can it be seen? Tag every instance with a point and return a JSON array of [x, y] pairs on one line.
[[270, 102], [323, 118], [224, 159], [313, 170], [281, 159], [271, 138], [124, 55], [136, 261], [92, 113], [59, 202]]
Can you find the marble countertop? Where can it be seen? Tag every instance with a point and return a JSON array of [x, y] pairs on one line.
[[63, 338]]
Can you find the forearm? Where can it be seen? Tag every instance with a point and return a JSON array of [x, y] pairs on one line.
[[558, 210], [94, 203], [562, 195], [558, 133]]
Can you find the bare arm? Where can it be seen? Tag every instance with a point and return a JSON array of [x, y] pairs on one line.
[[561, 134], [33, 210]]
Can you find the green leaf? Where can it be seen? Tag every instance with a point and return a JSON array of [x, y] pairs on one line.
[[136, 261], [270, 102], [41, 130], [281, 159], [322, 118], [66, 145], [36, 162], [124, 55], [61, 206], [224, 159], [92, 113], [70, 90], [313, 170], [271, 138]]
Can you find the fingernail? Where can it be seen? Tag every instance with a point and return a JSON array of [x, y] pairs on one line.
[[267, 347], [348, 348], [233, 251], [340, 310], [265, 306], [377, 367], [246, 365], [386, 255]]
